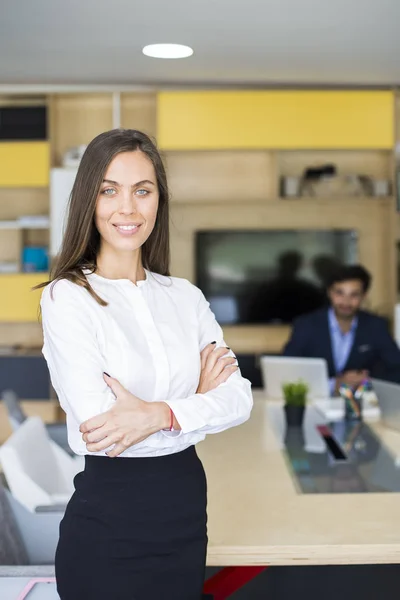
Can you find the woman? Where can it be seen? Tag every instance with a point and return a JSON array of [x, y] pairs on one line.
[[141, 369]]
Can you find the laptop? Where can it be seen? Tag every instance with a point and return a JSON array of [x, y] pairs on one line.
[[388, 395], [277, 370]]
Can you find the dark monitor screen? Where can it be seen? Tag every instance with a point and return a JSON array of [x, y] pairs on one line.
[[269, 276]]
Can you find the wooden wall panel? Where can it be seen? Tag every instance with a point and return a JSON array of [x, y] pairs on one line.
[[139, 111], [20, 334], [15, 202], [226, 176], [76, 119], [10, 246]]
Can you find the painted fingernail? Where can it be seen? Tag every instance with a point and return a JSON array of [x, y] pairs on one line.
[[106, 374], [227, 347], [213, 342]]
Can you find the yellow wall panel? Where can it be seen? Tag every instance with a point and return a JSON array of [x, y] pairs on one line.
[[17, 301], [204, 120], [24, 164]]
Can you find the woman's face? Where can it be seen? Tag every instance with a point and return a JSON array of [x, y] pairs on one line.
[[127, 204]]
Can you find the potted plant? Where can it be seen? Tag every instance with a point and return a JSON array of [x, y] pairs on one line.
[[295, 395]]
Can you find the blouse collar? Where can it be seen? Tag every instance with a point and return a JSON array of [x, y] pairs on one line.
[[105, 280]]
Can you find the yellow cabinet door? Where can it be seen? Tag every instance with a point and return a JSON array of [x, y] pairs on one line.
[[17, 300], [205, 120], [24, 164]]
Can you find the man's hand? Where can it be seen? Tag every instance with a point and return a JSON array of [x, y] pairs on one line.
[[352, 378]]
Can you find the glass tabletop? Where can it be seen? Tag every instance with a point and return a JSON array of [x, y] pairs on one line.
[[334, 457]]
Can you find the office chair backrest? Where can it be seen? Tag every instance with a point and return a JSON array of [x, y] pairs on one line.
[[36, 470], [12, 550], [16, 415]]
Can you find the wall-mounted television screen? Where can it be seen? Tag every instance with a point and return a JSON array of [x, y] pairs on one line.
[[269, 276]]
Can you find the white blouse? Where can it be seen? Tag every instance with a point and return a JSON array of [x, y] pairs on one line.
[[149, 337]]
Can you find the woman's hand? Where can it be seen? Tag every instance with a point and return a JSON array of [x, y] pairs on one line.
[[216, 368], [128, 422]]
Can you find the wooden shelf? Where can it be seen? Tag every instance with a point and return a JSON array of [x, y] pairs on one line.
[[330, 199], [279, 200], [374, 163]]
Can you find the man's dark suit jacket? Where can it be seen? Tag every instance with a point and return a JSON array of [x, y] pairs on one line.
[[374, 349]]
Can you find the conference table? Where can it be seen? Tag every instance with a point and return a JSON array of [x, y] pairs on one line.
[[259, 516], [264, 512]]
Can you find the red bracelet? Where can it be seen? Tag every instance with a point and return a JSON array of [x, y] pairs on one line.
[[171, 425]]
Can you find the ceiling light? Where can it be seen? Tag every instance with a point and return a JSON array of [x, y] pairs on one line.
[[167, 51]]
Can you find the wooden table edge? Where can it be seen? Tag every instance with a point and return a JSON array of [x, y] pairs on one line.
[[357, 554]]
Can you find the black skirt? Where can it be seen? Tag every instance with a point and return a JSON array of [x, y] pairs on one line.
[[135, 529]]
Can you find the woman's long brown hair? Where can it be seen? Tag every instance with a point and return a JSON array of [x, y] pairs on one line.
[[81, 241]]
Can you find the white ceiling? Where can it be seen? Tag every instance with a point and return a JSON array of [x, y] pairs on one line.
[[250, 42]]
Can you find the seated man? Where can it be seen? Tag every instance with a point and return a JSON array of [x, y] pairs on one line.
[[354, 343]]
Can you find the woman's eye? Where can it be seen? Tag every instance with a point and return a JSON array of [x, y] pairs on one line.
[[142, 192], [108, 192]]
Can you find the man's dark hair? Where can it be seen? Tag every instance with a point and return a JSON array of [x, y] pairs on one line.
[[350, 273]]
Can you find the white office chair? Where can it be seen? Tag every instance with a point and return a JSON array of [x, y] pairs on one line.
[[26, 538], [38, 471], [16, 416], [12, 551]]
